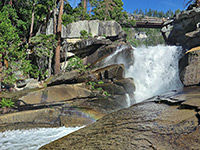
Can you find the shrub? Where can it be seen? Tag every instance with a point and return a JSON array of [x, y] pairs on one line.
[[85, 35], [7, 103], [76, 63]]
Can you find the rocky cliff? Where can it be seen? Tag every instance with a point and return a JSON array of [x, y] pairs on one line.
[[184, 29]]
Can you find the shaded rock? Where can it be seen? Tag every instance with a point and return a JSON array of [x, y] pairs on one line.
[[64, 78], [112, 72], [83, 47], [189, 68], [141, 126], [184, 30], [127, 84], [112, 89], [98, 57]]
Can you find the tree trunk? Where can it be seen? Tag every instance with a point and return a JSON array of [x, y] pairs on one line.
[[84, 4], [32, 22], [59, 30], [54, 18]]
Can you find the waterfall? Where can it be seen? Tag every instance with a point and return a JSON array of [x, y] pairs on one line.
[[155, 71]]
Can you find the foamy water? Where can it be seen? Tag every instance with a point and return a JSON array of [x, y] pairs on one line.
[[31, 139], [155, 70]]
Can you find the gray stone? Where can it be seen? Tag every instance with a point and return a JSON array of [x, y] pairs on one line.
[[189, 68], [95, 27], [183, 31]]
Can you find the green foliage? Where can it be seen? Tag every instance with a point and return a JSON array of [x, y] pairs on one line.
[[6, 103], [85, 35], [93, 85], [44, 46], [110, 10], [76, 63], [9, 48], [100, 82], [106, 93]]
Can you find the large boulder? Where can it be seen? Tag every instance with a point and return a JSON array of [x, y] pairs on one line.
[[160, 123], [189, 68], [184, 30], [95, 27]]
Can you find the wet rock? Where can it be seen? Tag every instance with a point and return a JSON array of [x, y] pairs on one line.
[[189, 68], [48, 116], [141, 126], [127, 84]]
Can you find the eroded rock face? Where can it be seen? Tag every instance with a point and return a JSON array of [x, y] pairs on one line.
[[189, 68], [148, 125], [184, 30]]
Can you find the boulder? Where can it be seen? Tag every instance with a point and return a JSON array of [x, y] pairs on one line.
[[64, 78], [56, 94], [184, 29], [95, 27], [189, 68]]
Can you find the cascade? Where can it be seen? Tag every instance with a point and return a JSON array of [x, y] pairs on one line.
[[155, 71]]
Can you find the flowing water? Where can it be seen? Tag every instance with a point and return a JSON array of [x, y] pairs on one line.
[[31, 139], [155, 71]]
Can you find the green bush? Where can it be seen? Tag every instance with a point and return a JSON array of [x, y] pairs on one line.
[[6, 103], [76, 63], [85, 35]]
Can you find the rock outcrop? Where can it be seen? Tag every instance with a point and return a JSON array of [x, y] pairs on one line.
[[95, 27], [184, 30], [189, 68], [160, 123]]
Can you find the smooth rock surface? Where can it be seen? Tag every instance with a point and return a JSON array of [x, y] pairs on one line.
[[142, 126]]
